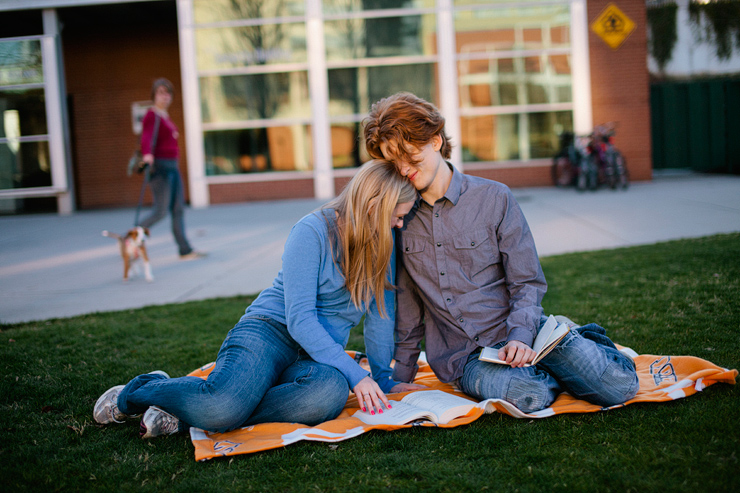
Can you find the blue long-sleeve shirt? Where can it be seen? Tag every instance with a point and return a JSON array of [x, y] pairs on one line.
[[310, 298]]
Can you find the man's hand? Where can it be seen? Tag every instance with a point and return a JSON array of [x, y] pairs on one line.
[[516, 354], [407, 387], [370, 397]]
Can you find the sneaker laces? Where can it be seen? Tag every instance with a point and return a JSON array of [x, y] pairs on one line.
[[168, 424]]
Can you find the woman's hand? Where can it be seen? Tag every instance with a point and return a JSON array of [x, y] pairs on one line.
[[407, 387], [370, 397], [516, 354], [148, 158]]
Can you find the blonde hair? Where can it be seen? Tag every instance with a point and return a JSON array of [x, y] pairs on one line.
[[362, 240]]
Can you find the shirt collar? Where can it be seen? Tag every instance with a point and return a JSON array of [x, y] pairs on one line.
[[455, 189]]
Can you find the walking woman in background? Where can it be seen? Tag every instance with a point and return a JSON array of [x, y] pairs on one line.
[[284, 361], [161, 152]]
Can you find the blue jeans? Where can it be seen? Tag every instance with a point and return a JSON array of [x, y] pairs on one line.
[[585, 363], [169, 195], [261, 375]]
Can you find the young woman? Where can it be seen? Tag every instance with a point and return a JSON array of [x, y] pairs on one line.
[[284, 360], [160, 151]]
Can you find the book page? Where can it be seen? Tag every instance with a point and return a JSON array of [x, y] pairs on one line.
[[445, 406], [557, 335], [544, 335], [491, 355], [401, 413]]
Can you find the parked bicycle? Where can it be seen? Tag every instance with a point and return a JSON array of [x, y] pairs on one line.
[[589, 160]]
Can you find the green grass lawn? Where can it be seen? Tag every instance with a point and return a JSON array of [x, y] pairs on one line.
[[673, 298]]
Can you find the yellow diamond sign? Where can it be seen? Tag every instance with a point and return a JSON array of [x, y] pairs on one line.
[[613, 26]]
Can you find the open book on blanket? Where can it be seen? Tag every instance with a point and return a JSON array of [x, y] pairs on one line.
[[549, 337], [427, 405]]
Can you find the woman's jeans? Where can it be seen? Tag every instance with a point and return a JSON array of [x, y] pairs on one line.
[[586, 364], [261, 375], [169, 196]]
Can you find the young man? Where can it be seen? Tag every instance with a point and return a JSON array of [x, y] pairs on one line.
[[469, 277]]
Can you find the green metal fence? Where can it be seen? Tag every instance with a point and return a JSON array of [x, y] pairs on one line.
[[696, 125]]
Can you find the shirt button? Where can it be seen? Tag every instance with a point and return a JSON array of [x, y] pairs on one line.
[[439, 244], [461, 320], [436, 214], [441, 273], [476, 339], [407, 249], [449, 300], [472, 243]]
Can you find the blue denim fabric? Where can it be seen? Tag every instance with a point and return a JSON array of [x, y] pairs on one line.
[[169, 195], [588, 366], [261, 375], [585, 363]]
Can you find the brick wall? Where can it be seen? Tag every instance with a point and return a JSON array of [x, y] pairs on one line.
[[620, 87], [108, 67], [224, 193], [522, 176]]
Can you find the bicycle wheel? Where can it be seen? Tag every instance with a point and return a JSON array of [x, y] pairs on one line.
[[563, 171], [623, 175]]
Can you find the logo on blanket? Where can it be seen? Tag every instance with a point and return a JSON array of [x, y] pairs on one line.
[[225, 447], [662, 369]]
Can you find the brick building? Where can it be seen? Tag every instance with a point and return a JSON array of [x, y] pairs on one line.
[[271, 95]]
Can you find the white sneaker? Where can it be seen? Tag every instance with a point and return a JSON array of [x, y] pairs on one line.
[[106, 408], [158, 422]]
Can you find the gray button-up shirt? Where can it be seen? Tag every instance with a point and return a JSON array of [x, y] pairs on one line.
[[468, 277]]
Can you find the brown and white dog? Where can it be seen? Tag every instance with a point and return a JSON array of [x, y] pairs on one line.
[[132, 248]]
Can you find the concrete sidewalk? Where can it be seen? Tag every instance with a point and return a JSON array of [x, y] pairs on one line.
[[59, 266]]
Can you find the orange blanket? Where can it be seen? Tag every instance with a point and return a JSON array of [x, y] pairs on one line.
[[662, 378]]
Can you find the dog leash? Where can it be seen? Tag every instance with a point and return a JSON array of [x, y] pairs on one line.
[[147, 171]]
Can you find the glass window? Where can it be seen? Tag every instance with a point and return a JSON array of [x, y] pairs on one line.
[[344, 6], [206, 11], [20, 62], [544, 129], [285, 148], [465, 3], [497, 137], [24, 165], [509, 81], [254, 97], [23, 113], [490, 138], [350, 39], [246, 46], [345, 148], [353, 90], [504, 29]]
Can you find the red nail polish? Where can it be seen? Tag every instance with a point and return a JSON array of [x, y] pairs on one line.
[[364, 410], [372, 412], [390, 407], [380, 411]]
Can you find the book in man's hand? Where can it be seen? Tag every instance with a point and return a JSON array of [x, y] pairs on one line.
[[549, 337], [428, 405]]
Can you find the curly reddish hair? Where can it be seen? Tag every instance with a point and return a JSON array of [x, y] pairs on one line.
[[404, 120]]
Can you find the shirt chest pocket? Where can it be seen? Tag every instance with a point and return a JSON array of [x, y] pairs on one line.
[[475, 251], [412, 245]]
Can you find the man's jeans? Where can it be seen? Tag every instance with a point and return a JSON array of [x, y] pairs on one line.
[[261, 375], [586, 364]]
